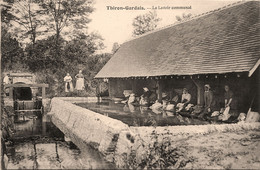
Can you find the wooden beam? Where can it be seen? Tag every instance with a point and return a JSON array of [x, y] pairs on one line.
[[254, 68], [43, 92], [134, 86], [11, 92], [20, 75], [200, 91], [28, 110], [26, 85], [159, 91]]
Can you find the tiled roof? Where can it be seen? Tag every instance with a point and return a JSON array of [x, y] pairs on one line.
[[223, 41]]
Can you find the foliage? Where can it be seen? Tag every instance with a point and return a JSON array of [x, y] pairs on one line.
[[12, 53], [69, 49], [184, 17], [94, 65], [62, 13], [42, 55], [6, 16], [26, 22], [160, 155], [145, 23], [80, 49], [75, 55], [115, 47], [7, 125]]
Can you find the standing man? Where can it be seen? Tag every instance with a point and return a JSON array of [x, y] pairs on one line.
[[6, 81]]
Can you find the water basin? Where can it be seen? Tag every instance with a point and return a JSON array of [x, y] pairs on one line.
[[139, 115]]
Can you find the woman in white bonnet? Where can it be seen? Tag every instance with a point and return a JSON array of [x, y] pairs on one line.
[[80, 81], [209, 102], [68, 83]]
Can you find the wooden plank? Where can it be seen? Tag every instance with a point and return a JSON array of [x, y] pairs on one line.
[[28, 110], [159, 91], [43, 92], [21, 75], [26, 85], [200, 91], [11, 92], [254, 68]]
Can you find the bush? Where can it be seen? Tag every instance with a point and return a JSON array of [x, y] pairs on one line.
[[160, 155]]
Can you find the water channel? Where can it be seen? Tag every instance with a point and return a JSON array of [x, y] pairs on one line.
[[38, 144]]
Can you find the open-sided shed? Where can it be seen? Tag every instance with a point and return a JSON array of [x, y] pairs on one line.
[[218, 47]]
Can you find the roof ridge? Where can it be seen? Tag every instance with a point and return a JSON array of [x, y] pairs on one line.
[[192, 18]]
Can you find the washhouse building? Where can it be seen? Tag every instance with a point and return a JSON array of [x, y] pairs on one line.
[[220, 47]]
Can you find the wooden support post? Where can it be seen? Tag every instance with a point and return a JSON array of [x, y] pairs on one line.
[[200, 91], [43, 92], [109, 88], [134, 86], [159, 91], [11, 92]]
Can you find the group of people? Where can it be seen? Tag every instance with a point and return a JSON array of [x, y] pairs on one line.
[[146, 99], [79, 82], [183, 103], [210, 104]]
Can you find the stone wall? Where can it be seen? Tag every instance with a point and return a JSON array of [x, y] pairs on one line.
[[116, 140], [99, 131]]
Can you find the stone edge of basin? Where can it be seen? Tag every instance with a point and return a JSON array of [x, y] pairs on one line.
[[100, 131], [112, 137]]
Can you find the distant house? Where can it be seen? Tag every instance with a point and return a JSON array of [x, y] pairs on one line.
[[219, 47]]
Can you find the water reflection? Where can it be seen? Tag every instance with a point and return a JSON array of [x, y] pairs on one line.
[[139, 115], [56, 155], [38, 144]]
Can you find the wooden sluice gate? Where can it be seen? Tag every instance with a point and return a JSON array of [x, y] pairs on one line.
[[31, 105], [24, 104], [26, 100]]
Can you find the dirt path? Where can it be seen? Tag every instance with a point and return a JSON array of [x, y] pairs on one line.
[[228, 150]]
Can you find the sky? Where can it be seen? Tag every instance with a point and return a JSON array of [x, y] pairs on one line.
[[116, 25]]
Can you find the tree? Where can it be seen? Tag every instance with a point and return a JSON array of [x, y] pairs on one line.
[[115, 47], [80, 49], [5, 11], [184, 17], [43, 55], [11, 50], [64, 13], [26, 21], [94, 65], [145, 23]]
